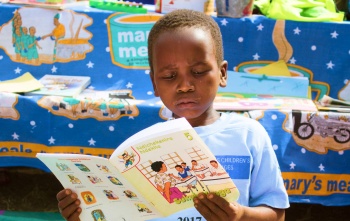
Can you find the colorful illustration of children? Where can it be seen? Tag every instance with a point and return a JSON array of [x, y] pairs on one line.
[[198, 169], [57, 33], [98, 215], [17, 42], [184, 174], [62, 167], [94, 179], [24, 43], [115, 180], [128, 159], [32, 53], [215, 170], [165, 184], [129, 194], [110, 194], [74, 180], [142, 208], [103, 168]]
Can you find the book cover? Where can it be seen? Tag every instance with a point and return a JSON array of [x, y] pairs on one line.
[[165, 166], [23, 83], [62, 85]]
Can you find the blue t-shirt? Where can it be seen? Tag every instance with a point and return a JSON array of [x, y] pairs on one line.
[[244, 149]]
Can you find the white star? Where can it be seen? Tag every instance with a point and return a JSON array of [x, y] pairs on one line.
[[54, 69], [15, 136], [292, 165], [92, 142], [321, 167], [330, 65], [51, 140], [260, 27], [296, 31], [18, 70], [224, 22], [90, 64], [129, 85], [292, 61], [256, 56], [334, 34]]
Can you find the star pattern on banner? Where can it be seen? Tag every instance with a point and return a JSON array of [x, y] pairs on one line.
[[260, 27], [292, 165], [224, 22], [256, 56], [51, 140], [15, 136], [129, 85], [297, 31], [292, 60], [91, 142], [18, 70], [334, 34], [321, 167], [330, 65], [90, 64], [54, 69]]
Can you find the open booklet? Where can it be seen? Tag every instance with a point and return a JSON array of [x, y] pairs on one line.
[[154, 173]]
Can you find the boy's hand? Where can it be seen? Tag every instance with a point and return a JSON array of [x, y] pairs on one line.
[[216, 208], [68, 205]]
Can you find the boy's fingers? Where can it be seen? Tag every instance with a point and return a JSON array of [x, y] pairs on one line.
[[71, 211], [210, 207], [219, 201], [75, 215], [62, 194]]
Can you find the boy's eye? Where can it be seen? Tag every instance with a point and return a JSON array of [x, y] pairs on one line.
[[196, 72], [169, 76]]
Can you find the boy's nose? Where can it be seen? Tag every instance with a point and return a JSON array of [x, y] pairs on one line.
[[185, 85]]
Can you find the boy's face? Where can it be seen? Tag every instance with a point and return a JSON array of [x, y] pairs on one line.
[[186, 75]]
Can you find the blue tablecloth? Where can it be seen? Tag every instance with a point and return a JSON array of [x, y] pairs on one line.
[[312, 148]]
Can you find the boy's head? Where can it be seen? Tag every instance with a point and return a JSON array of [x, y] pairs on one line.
[[184, 18], [187, 66]]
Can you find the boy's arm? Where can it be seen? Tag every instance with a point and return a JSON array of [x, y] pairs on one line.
[[215, 208]]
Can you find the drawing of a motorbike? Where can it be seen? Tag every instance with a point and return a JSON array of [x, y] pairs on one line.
[[316, 124]]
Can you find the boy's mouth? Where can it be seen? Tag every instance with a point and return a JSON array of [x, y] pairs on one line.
[[183, 103]]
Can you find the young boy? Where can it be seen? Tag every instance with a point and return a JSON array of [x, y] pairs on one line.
[[187, 67]]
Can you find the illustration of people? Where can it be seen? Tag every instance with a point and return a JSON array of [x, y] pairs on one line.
[[129, 194], [128, 159], [184, 174], [98, 215], [62, 167], [110, 194], [88, 197], [94, 179], [24, 43], [103, 168], [215, 170], [58, 33], [32, 53], [17, 42], [74, 180], [115, 180], [142, 208], [198, 169], [165, 184]]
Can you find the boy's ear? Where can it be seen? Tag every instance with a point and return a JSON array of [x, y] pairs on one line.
[[223, 74], [153, 84]]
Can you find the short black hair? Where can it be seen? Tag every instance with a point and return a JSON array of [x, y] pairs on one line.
[[157, 166], [185, 18]]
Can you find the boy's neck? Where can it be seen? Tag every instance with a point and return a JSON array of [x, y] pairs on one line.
[[203, 120]]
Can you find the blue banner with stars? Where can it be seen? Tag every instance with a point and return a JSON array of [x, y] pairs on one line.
[[111, 48]]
